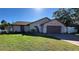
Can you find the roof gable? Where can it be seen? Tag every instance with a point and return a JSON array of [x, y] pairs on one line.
[[54, 22], [43, 20]]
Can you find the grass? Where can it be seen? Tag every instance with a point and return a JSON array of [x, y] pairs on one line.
[[18, 42]]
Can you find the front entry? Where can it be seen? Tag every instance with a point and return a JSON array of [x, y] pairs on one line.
[[22, 29]]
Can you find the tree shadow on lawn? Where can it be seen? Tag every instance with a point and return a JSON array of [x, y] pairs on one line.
[[50, 36], [71, 37], [32, 34]]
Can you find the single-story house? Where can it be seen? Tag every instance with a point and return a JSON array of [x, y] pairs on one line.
[[44, 25], [76, 24]]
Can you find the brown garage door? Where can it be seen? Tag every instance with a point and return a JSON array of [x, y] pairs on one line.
[[53, 29]]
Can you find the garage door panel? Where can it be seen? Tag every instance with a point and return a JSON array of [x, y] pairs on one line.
[[53, 29]]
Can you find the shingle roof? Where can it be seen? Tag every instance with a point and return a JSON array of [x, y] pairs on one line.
[[52, 20], [21, 23], [40, 20]]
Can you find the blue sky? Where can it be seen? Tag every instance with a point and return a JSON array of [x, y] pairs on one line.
[[25, 14]]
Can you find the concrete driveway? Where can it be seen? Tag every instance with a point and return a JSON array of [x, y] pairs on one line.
[[68, 38]]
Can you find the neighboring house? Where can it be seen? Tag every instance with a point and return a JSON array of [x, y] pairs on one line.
[[36, 26], [76, 24], [54, 26], [72, 29]]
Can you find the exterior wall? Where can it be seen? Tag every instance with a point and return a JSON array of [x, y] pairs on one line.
[[71, 29], [38, 23], [9, 28], [16, 29], [54, 23], [26, 28]]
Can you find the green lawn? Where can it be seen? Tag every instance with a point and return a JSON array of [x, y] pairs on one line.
[[18, 42]]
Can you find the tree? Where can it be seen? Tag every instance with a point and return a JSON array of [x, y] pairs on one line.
[[75, 13], [67, 16], [4, 24], [64, 16], [76, 16]]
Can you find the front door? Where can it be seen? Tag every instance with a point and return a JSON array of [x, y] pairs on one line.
[[22, 29]]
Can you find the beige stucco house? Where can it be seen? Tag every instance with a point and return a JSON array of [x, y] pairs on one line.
[[44, 25]]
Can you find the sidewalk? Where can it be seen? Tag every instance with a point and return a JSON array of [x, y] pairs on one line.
[[73, 42]]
